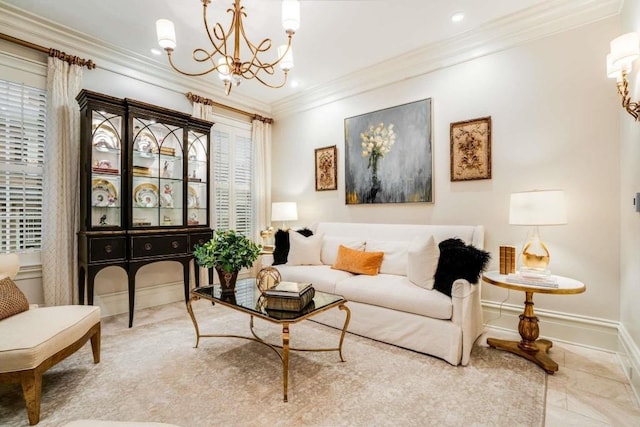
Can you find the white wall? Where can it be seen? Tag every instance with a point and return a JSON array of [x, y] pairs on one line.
[[555, 125], [629, 219]]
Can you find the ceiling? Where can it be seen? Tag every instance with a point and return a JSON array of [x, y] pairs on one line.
[[336, 37]]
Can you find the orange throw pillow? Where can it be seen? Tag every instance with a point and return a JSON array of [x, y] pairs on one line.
[[358, 262]]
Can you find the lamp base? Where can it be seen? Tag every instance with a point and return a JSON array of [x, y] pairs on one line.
[[535, 255]]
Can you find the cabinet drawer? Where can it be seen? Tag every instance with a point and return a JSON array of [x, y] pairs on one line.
[[145, 246], [199, 239], [107, 248]]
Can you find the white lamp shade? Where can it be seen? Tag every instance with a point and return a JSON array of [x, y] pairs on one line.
[[291, 15], [284, 211], [287, 57], [625, 49], [613, 71], [166, 34], [546, 207]]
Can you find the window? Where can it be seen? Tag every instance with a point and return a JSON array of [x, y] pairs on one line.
[[22, 138], [233, 165]]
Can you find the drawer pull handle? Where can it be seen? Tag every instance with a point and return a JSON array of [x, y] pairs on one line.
[[175, 244], [147, 246], [108, 248]]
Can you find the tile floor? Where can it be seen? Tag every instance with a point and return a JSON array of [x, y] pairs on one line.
[[589, 389]]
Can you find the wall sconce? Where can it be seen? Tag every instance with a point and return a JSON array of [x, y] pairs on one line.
[[624, 50]]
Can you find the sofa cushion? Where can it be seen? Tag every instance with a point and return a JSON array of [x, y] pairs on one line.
[[12, 300], [304, 250], [322, 277], [281, 249], [395, 255], [397, 293], [422, 261], [35, 335], [458, 261], [358, 262], [330, 246]]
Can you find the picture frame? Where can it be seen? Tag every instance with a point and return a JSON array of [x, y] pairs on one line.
[[389, 155], [326, 161], [470, 144]]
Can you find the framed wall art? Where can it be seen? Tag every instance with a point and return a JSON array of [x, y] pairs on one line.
[[326, 168], [471, 149], [388, 155]]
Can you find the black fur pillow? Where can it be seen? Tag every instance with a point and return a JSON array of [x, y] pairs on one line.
[[458, 261], [281, 250]]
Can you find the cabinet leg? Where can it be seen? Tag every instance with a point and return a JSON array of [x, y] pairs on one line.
[[132, 295], [81, 285], [186, 276]]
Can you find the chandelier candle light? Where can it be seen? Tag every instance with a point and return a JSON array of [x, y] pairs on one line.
[[537, 208], [224, 54]]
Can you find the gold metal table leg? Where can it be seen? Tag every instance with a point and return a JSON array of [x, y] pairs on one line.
[[344, 328], [193, 318], [285, 359]]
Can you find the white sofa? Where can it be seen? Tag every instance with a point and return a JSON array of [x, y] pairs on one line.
[[389, 307]]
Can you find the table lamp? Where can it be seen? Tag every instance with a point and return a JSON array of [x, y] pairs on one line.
[[536, 208], [284, 211]]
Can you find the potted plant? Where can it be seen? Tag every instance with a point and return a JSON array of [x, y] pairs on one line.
[[228, 252]]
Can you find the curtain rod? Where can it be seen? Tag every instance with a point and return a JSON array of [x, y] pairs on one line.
[[71, 59], [206, 101]]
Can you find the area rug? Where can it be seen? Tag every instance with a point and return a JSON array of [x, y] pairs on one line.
[[152, 372]]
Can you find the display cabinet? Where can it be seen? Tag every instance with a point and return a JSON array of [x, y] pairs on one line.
[[143, 189]]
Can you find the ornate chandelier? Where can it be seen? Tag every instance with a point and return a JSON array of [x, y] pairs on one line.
[[224, 54]]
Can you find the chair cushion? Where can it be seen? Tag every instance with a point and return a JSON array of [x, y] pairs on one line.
[[34, 335], [12, 300]]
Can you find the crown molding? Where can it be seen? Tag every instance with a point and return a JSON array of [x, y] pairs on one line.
[[540, 21], [35, 29]]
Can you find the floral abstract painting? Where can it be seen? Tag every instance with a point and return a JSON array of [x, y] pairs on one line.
[[471, 149], [388, 155]]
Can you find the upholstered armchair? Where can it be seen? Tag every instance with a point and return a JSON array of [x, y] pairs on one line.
[[36, 338]]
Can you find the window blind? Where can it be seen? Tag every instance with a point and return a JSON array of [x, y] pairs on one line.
[[233, 165], [22, 139]]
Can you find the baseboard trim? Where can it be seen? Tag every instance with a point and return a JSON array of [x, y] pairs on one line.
[[629, 355], [118, 302], [585, 331]]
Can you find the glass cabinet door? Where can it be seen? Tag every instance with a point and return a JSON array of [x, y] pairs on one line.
[[197, 178], [106, 169], [157, 174]]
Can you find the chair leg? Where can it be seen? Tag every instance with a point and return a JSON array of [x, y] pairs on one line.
[[32, 392], [95, 345]]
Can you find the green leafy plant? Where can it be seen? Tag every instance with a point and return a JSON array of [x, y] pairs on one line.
[[228, 251]]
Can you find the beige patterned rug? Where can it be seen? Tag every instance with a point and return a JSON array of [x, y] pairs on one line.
[[151, 372]]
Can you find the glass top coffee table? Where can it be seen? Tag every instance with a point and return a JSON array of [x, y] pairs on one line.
[[248, 299]]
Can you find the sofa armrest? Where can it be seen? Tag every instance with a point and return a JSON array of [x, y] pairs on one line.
[[467, 314]]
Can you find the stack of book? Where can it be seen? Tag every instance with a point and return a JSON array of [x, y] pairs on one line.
[[535, 279], [105, 170], [289, 296]]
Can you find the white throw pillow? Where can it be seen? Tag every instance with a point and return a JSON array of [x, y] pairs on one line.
[[423, 256], [304, 250], [330, 245], [395, 255]]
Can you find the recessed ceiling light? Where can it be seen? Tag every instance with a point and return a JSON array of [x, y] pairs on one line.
[[156, 51], [457, 17]]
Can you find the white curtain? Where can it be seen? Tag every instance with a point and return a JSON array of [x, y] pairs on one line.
[[261, 137], [202, 111], [61, 184]]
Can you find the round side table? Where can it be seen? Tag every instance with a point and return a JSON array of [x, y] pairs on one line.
[[530, 347]]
